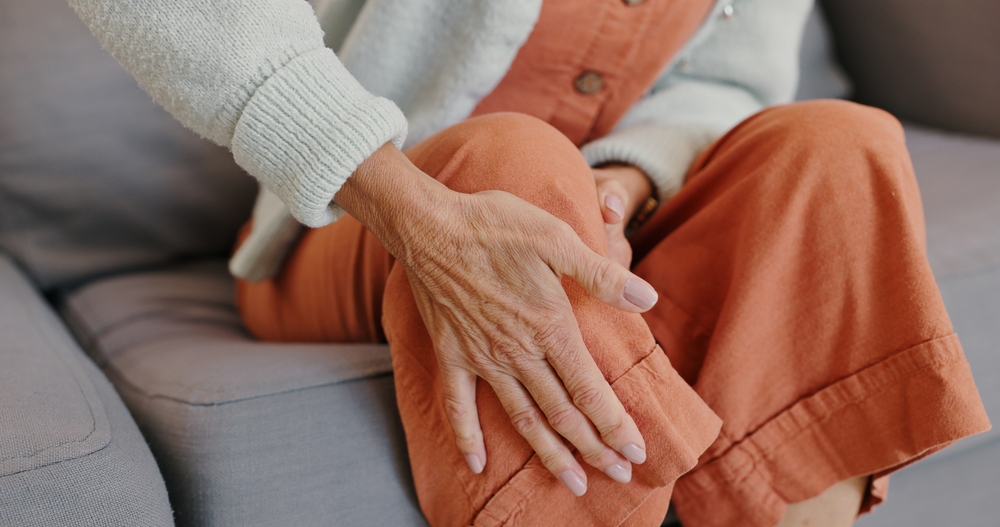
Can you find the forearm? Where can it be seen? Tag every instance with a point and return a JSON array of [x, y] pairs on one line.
[[253, 76], [201, 60]]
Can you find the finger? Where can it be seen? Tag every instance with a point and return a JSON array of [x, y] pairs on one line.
[[610, 282], [460, 405], [590, 396], [613, 197], [529, 421], [566, 419]]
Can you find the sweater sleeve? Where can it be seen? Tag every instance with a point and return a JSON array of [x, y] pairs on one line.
[[253, 76], [744, 59]]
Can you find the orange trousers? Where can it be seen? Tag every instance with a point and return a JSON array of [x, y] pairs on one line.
[[797, 311]]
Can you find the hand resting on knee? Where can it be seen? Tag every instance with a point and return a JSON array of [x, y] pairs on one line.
[[485, 270]]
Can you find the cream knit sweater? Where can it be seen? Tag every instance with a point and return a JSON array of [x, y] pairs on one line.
[[258, 77]]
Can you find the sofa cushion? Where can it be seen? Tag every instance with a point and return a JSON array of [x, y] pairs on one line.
[[959, 179], [94, 177], [70, 454], [248, 433], [932, 62]]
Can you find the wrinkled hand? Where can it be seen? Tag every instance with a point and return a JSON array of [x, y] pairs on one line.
[[621, 189], [485, 271]]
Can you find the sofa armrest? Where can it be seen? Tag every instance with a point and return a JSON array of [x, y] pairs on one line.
[[70, 453]]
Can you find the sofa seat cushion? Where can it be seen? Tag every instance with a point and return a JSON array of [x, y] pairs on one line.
[[245, 432], [70, 454], [959, 179]]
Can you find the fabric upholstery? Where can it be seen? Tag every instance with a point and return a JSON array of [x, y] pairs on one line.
[[94, 177], [70, 454], [960, 180], [932, 61], [247, 433]]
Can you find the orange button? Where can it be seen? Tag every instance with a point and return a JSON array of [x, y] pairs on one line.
[[589, 82]]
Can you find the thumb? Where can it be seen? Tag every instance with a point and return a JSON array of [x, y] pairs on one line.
[[607, 280]]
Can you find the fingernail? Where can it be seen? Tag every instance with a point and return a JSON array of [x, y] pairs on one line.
[[613, 202], [633, 453], [474, 462], [619, 472], [641, 294], [573, 483]]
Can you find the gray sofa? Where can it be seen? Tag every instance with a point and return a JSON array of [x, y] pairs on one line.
[[131, 395]]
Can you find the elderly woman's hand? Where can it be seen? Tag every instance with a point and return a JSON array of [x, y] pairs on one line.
[[621, 190], [485, 270]]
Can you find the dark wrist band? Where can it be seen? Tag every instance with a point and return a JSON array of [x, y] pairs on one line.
[[644, 213]]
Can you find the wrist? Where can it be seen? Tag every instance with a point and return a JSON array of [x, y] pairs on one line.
[[635, 181], [393, 199]]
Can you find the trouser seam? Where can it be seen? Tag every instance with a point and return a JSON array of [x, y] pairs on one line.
[[755, 455]]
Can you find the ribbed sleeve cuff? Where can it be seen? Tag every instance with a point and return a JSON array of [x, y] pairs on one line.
[[307, 128], [664, 153]]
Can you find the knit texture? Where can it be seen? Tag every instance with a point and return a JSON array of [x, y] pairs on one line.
[[307, 128], [736, 65], [255, 76]]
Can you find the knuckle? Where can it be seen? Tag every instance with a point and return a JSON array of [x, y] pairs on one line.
[[567, 241], [564, 419], [506, 352], [527, 422], [552, 459], [596, 454], [555, 338], [457, 410], [604, 273], [612, 424], [590, 398], [563, 230], [467, 441], [484, 362]]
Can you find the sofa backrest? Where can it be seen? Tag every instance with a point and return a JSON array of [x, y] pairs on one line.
[[94, 177], [935, 62]]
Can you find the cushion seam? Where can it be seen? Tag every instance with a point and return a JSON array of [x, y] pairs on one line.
[[114, 372], [46, 338]]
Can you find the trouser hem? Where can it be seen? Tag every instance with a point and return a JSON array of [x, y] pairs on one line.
[[873, 422]]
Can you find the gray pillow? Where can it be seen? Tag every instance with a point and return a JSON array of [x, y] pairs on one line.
[[94, 177], [929, 61]]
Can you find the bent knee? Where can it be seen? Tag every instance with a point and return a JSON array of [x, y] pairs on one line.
[[834, 125], [503, 151], [840, 144], [521, 138]]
